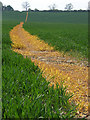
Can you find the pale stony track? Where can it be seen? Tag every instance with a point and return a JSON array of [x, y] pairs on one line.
[[54, 63]]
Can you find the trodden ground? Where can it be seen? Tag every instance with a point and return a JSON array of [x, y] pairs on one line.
[[56, 67]]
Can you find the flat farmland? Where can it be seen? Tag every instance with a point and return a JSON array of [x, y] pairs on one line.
[[25, 92], [65, 31]]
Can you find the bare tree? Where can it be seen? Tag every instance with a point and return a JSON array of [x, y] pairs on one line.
[[26, 5], [52, 7], [69, 6]]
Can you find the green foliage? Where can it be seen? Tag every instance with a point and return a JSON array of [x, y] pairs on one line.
[[64, 37], [13, 16], [8, 8], [25, 93], [58, 17], [48, 17], [66, 31]]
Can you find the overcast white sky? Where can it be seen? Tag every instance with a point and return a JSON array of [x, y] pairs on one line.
[[43, 4]]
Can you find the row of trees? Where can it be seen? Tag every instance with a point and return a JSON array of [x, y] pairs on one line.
[[52, 7], [7, 8], [26, 6]]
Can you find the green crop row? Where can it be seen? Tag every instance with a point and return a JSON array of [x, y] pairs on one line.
[[70, 38], [25, 93], [48, 17]]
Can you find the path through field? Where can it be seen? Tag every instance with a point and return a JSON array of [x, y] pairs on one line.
[[53, 63]]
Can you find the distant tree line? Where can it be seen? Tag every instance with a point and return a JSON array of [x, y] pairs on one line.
[[7, 8], [52, 9], [56, 10], [64, 11]]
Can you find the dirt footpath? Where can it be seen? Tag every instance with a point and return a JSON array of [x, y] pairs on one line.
[[56, 67]]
